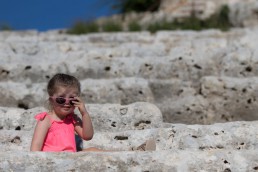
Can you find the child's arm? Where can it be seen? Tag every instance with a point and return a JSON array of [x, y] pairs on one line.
[[83, 126], [39, 135]]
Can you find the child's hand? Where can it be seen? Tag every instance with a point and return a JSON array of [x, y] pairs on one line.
[[84, 129], [78, 102]]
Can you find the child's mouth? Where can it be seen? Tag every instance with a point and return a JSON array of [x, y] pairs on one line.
[[66, 107]]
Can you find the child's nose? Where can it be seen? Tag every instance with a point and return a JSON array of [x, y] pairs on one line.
[[67, 101]]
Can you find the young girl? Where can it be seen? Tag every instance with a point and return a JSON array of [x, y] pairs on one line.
[[55, 130]]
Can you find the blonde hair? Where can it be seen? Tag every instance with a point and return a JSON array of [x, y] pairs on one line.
[[63, 80]]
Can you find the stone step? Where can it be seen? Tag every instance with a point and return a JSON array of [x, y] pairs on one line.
[[227, 136], [219, 136], [167, 67], [215, 99], [15, 140], [184, 55], [109, 39], [193, 77], [105, 117], [219, 99], [118, 90], [173, 160]]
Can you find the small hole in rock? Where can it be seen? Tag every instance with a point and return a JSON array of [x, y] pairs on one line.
[[107, 68], [219, 146], [201, 147], [23, 106], [233, 89], [121, 138], [113, 124], [140, 122], [249, 101], [249, 69], [5, 72], [27, 67], [227, 170], [180, 91], [197, 66], [16, 139], [255, 168]]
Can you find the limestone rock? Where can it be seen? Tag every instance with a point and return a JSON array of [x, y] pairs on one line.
[[138, 86], [106, 117], [131, 161], [168, 69], [228, 146]]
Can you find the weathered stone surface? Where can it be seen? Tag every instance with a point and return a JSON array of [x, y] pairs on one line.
[[190, 77], [218, 147], [174, 160], [232, 99], [106, 117], [178, 101], [169, 69], [117, 90], [226, 136], [15, 140], [220, 136]]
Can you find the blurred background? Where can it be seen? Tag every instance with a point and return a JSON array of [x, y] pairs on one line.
[[44, 15], [83, 16]]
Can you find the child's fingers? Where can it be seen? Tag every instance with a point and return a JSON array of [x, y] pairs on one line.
[[78, 98], [78, 102]]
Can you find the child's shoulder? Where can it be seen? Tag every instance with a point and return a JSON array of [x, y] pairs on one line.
[[42, 116]]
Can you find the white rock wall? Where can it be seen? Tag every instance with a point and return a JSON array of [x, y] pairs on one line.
[[137, 86], [177, 71], [228, 146]]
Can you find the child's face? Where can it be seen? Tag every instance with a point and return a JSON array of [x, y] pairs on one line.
[[67, 93]]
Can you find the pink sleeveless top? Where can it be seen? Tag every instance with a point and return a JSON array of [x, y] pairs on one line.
[[60, 136]]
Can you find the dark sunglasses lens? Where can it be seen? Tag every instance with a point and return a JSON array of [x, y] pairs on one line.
[[71, 102], [60, 100]]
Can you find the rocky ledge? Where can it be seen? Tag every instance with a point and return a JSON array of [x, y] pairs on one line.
[[228, 146], [194, 93]]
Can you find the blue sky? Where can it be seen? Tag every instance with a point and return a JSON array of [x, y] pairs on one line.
[[45, 15]]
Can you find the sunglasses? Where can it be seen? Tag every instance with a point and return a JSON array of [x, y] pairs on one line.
[[62, 100]]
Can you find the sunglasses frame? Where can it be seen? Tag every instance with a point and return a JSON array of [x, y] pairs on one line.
[[63, 98]]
